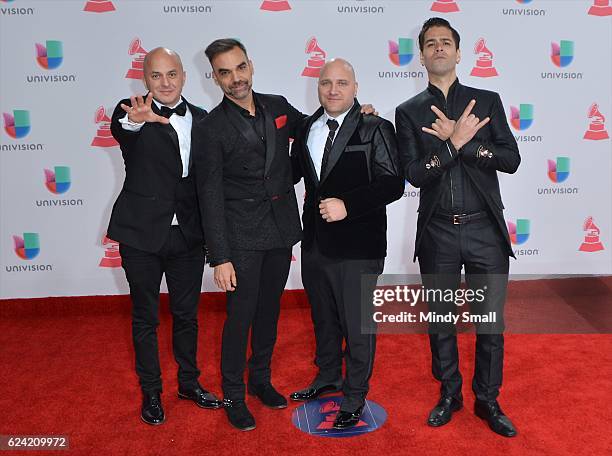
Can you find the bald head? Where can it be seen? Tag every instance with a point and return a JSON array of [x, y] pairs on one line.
[[161, 52], [337, 87], [338, 63], [164, 76]]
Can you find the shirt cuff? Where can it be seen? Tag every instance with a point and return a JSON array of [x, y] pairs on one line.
[[128, 125]]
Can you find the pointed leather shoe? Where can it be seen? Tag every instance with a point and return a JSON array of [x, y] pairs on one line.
[[152, 411], [314, 391], [442, 413], [238, 415], [268, 395], [492, 413], [346, 420], [201, 397]]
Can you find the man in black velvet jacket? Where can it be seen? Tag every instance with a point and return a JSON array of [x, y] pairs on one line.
[[351, 172], [453, 140]]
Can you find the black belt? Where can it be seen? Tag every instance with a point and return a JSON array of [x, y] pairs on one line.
[[460, 219]]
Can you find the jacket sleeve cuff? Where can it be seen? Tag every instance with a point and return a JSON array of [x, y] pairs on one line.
[[214, 263]]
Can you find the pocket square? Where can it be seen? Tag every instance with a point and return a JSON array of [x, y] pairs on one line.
[[280, 121]]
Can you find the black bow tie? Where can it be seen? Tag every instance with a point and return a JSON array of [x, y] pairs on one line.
[[180, 110]]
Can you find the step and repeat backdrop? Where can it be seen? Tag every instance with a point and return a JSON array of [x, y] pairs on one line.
[[65, 64]]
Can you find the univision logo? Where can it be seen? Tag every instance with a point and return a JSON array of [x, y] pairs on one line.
[[58, 180], [519, 231], [401, 52], [360, 9], [523, 11], [4, 11], [28, 246], [17, 124], [521, 118], [562, 55], [50, 56], [558, 172]]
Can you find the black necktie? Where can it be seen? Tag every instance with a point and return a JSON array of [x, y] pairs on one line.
[[180, 110], [333, 126]]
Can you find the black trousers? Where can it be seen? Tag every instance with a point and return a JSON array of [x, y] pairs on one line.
[[478, 246], [334, 289], [183, 266], [254, 305]]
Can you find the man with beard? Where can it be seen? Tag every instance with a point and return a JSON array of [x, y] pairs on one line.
[[250, 219], [453, 140]]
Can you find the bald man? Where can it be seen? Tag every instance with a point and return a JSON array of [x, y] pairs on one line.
[[157, 224], [350, 168]]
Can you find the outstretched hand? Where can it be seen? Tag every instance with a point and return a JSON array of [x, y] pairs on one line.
[[141, 110]]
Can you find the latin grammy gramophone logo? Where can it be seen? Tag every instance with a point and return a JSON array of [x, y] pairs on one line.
[[137, 69], [600, 8], [112, 257], [597, 128], [99, 6], [104, 137], [591, 243], [275, 5], [484, 64], [316, 59], [445, 6]]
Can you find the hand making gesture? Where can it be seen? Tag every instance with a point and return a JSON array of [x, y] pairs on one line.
[[467, 126], [141, 110]]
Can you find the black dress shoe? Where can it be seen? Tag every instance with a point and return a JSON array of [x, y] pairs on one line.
[[492, 413], [314, 391], [201, 397], [443, 411], [238, 414], [268, 395], [345, 420], [152, 411]]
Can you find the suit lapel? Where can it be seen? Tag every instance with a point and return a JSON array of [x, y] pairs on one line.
[[306, 155], [270, 134], [197, 114], [342, 138], [242, 125]]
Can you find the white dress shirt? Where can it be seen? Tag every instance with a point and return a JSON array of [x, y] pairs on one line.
[[182, 126], [317, 137]]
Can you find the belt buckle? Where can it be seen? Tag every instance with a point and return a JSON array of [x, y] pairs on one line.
[[456, 219]]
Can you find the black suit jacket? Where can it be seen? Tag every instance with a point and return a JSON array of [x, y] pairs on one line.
[[153, 190], [363, 171], [425, 158], [245, 186]]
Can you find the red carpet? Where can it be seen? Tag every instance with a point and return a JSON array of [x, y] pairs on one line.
[[67, 369]]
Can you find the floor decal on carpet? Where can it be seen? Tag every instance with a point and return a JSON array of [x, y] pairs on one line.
[[317, 418]]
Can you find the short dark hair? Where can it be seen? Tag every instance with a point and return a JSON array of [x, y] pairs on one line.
[[223, 45], [437, 22]]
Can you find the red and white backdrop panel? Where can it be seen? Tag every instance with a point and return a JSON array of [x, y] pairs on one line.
[[65, 64]]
